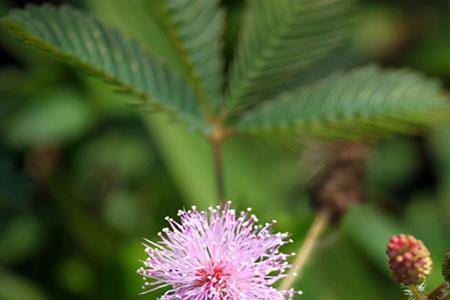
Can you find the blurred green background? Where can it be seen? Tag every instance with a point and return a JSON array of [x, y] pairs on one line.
[[84, 177]]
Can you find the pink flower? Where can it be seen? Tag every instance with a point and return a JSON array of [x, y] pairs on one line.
[[216, 255]]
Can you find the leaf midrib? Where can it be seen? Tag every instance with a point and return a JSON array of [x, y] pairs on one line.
[[261, 60], [191, 75]]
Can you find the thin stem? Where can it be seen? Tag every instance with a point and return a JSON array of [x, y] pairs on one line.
[[216, 138], [417, 293], [320, 223], [217, 148]]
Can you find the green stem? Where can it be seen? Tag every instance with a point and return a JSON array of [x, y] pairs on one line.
[[417, 293], [217, 149], [304, 253]]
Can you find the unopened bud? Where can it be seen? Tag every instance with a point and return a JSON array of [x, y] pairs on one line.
[[409, 260]]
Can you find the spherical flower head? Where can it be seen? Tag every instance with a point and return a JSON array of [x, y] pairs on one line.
[[446, 268], [409, 260], [216, 255]]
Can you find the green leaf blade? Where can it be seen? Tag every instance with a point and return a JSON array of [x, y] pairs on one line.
[[365, 101], [81, 40], [282, 38], [195, 29]]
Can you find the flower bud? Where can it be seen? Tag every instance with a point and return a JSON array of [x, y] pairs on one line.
[[409, 260], [446, 268]]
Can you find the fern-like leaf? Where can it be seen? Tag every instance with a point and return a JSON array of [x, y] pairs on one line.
[[280, 38], [81, 40], [364, 101], [195, 29]]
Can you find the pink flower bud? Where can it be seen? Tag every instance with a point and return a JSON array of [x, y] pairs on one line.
[[409, 260]]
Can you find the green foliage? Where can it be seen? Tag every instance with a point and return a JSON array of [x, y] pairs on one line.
[[16, 288], [82, 40], [131, 158], [281, 42], [14, 186], [393, 164], [195, 29], [281, 38], [75, 275], [365, 100], [20, 239], [52, 118]]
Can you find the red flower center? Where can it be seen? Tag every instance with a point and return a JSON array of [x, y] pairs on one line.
[[213, 277]]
